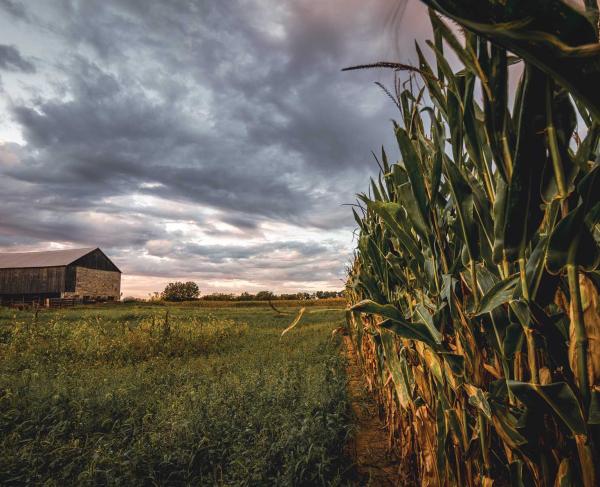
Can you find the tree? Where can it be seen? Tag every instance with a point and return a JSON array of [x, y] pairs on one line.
[[264, 295], [245, 296], [180, 291]]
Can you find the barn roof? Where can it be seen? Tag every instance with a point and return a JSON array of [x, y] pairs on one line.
[[50, 258]]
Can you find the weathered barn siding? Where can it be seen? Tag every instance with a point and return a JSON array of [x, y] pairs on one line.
[[94, 282], [42, 280]]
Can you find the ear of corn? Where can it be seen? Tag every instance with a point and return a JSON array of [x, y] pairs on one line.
[[474, 285]]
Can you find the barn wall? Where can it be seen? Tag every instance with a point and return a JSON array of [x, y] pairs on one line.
[[97, 283], [39, 280]]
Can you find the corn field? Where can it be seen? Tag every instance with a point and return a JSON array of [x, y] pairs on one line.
[[474, 288]]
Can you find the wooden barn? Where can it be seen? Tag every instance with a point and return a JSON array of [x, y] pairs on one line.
[[74, 273]]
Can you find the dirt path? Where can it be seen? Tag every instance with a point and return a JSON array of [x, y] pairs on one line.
[[375, 465]]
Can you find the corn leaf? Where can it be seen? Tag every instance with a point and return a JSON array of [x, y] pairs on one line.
[[557, 398], [499, 294]]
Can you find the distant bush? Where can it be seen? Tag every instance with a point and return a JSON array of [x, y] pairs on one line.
[[131, 299]]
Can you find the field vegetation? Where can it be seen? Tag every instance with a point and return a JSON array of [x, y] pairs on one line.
[[171, 395]]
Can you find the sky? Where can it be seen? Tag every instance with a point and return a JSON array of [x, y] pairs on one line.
[[207, 140]]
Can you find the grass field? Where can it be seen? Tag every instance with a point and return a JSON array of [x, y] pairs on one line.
[[124, 396]]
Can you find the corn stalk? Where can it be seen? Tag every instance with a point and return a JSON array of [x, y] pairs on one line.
[[466, 307]]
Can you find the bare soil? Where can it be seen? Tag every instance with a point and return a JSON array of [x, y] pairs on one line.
[[375, 464]]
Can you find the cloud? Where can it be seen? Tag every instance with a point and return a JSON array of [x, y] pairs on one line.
[[203, 138], [11, 60], [280, 266], [14, 8]]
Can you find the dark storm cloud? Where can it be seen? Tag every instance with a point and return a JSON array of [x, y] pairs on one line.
[[14, 8], [270, 263], [11, 60], [25, 217], [276, 121], [238, 107], [108, 139], [220, 253]]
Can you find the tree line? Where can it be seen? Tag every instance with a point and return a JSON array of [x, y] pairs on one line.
[[189, 291], [270, 296]]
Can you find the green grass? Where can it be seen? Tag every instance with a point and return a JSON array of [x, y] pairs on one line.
[[113, 396]]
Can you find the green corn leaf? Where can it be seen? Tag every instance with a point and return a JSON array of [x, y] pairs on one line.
[[513, 339], [411, 331], [384, 161], [551, 34], [455, 361], [390, 214], [370, 285], [429, 79], [523, 212], [587, 148], [377, 196], [414, 172], [534, 268], [564, 121], [520, 309], [464, 204], [465, 54], [358, 220], [406, 197], [393, 363], [486, 279], [589, 190], [516, 473], [541, 284], [557, 397], [505, 424], [426, 317], [495, 105], [499, 294], [478, 399], [571, 242], [456, 126], [594, 416], [399, 175], [406, 100], [384, 310], [441, 440], [360, 330], [446, 70], [436, 174], [454, 424], [470, 122], [433, 365], [499, 219]]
